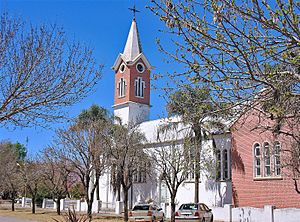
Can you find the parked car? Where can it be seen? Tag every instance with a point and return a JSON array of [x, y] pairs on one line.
[[194, 212], [146, 212]]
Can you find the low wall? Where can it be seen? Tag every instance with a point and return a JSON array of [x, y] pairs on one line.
[[251, 214], [288, 214]]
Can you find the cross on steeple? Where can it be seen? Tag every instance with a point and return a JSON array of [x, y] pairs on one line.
[[134, 10]]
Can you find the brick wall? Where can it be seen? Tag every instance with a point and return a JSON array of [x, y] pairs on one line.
[[130, 74], [253, 191]]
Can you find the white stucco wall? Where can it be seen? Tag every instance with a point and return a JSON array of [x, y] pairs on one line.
[[212, 193], [132, 112]]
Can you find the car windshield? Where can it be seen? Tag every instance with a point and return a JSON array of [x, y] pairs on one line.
[[189, 207], [141, 207]]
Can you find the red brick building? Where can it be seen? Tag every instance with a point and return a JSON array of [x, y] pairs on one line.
[[258, 178]]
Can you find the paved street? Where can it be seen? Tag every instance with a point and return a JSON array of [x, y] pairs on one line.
[[13, 219]]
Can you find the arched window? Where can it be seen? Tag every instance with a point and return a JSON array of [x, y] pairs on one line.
[[225, 165], [276, 153], [218, 165], [257, 165], [139, 87], [122, 87], [267, 160]]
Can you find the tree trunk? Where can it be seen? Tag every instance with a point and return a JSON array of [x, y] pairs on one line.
[[197, 162], [119, 193], [125, 204], [12, 204], [98, 192], [89, 210], [58, 206], [97, 186], [173, 206], [33, 204]]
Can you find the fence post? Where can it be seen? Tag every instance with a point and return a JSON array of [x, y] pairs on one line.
[[228, 210], [62, 204], [269, 213], [44, 203], [78, 205], [23, 201], [119, 207]]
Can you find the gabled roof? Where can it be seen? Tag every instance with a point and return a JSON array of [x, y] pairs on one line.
[[133, 49], [121, 58]]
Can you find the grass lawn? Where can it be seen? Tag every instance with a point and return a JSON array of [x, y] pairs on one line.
[[43, 215]]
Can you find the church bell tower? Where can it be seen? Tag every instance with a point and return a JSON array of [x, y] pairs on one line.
[[132, 81]]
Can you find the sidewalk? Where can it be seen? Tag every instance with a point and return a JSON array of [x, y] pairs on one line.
[[13, 219]]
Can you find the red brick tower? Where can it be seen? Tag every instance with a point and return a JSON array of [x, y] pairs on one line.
[[132, 81]]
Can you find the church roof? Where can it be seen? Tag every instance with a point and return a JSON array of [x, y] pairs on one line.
[[133, 49], [133, 45]]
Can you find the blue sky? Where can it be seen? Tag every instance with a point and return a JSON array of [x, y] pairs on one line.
[[104, 25]]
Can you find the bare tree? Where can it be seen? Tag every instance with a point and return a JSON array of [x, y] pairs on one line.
[[237, 47], [41, 73], [248, 52], [171, 159], [10, 178], [31, 171], [84, 151], [55, 174], [126, 153]]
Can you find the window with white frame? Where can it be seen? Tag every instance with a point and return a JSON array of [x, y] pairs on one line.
[[225, 165], [139, 176], [122, 87], [222, 165], [218, 165], [267, 160], [189, 156], [276, 153], [257, 165], [139, 84]]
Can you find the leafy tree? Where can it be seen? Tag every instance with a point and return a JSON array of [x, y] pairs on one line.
[[21, 150], [201, 115], [126, 156], [41, 73], [86, 117]]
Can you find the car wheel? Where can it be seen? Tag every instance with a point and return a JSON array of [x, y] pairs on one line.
[[203, 219], [212, 219]]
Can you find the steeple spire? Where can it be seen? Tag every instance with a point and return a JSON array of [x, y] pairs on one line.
[[133, 46]]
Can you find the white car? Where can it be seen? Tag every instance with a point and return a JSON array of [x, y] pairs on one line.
[[146, 213], [194, 212]]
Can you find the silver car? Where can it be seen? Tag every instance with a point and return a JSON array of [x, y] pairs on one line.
[[146, 213], [194, 212]]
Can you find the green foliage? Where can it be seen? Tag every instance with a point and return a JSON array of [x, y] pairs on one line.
[[194, 104], [77, 191], [19, 148], [94, 113]]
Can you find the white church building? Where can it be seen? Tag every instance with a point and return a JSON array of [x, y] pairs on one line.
[[132, 104]]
